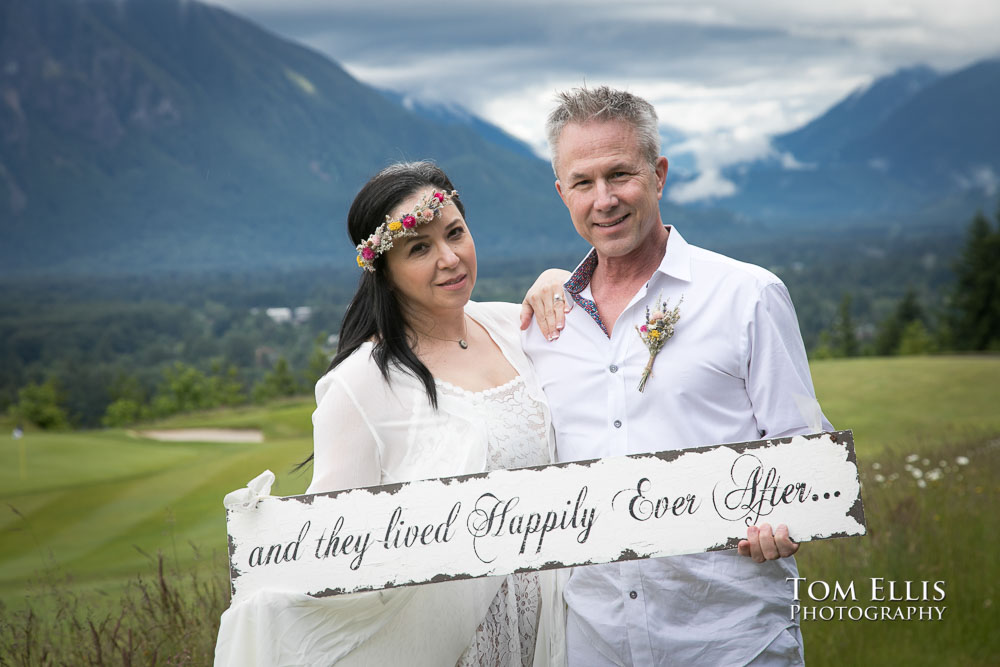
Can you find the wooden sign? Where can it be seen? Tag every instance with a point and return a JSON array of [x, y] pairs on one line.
[[560, 515]]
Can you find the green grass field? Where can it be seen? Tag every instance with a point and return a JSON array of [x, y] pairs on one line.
[[94, 506], [91, 504], [906, 404]]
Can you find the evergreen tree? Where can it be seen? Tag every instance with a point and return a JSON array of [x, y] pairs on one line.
[[224, 385], [122, 412], [319, 361], [916, 339], [42, 405], [184, 389], [975, 318], [279, 382], [845, 340], [824, 347], [891, 329]]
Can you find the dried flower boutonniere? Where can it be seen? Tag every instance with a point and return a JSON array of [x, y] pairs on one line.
[[657, 330]]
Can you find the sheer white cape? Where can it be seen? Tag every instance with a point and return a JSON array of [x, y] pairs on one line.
[[367, 432]]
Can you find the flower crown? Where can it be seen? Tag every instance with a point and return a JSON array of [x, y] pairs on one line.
[[390, 230]]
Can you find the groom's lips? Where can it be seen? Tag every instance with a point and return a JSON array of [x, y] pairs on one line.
[[611, 223]]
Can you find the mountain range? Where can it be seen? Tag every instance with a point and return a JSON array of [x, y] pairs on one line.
[[914, 145], [455, 115], [169, 135], [166, 134], [173, 135]]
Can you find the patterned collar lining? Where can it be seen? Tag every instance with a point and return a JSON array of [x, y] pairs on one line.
[[580, 279]]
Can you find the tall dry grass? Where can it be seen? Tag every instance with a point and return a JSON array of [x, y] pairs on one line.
[[167, 617]]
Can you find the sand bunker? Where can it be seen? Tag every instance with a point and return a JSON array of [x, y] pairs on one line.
[[204, 435]]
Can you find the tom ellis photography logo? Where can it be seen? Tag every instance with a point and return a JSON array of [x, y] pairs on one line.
[[874, 600]]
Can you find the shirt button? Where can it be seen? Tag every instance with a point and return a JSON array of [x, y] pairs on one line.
[[613, 368], [618, 423], [633, 595]]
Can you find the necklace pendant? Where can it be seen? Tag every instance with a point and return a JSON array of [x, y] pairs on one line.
[[462, 344]]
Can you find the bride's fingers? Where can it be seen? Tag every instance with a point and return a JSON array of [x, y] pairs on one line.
[[540, 304], [560, 306], [526, 313]]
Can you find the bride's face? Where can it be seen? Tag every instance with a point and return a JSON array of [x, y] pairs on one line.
[[435, 270]]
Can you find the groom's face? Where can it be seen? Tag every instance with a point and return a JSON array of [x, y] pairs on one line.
[[611, 191]]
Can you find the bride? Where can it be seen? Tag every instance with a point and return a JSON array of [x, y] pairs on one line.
[[425, 383]]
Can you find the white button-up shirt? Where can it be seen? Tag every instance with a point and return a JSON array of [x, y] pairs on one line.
[[730, 373]]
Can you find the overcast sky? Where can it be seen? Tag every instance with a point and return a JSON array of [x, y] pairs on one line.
[[726, 73]]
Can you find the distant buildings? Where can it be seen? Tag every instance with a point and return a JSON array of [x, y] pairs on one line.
[[281, 315]]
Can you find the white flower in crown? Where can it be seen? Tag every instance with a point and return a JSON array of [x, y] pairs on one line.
[[382, 239]]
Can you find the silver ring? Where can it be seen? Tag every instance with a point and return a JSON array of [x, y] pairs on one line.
[[557, 297]]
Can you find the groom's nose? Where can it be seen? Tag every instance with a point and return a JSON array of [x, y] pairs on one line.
[[606, 198]]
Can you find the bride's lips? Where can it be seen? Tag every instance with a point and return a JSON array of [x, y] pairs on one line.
[[456, 283], [611, 223]]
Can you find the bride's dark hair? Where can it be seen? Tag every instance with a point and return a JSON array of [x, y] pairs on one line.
[[375, 313]]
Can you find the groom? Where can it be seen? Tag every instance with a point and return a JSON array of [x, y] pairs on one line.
[[730, 373]]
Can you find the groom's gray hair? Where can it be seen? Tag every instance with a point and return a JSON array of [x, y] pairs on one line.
[[582, 105]]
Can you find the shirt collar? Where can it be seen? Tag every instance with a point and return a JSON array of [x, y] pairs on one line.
[[676, 260], [676, 263], [582, 274]]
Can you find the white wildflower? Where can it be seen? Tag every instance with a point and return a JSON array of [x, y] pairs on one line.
[[933, 475], [911, 458], [927, 462], [876, 466], [921, 483], [962, 460], [917, 473], [879, 478]]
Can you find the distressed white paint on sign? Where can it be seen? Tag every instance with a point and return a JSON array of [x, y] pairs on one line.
[[598, 511]]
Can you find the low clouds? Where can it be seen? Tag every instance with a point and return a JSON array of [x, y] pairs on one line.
[[713, 151], [980, 178], [728, 74]]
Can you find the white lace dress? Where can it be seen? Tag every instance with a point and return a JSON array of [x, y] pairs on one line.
[[517, 438], [367, 432]]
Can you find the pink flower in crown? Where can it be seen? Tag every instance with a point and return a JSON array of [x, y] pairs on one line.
[[376, 239], [439, 196], [368, 253], [409, 221], [427, 214]]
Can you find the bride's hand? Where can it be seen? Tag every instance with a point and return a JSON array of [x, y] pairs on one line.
[[548, 302]]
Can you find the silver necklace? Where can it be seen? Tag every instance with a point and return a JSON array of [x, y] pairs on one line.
[[462, 343]]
